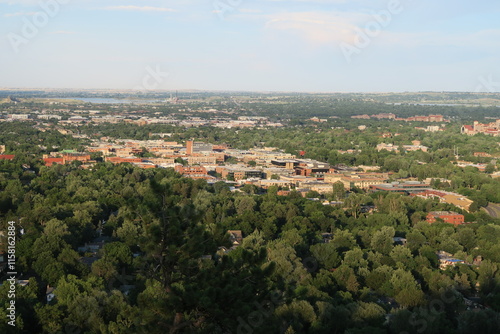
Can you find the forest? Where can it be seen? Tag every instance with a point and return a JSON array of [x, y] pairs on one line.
[[119, 249], [165, 264]]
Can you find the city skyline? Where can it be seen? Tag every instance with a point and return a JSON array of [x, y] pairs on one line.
[[237, 45]]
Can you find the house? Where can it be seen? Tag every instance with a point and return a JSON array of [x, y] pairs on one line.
[[399, 241], [91, 247], [49, 294], [326, 237], [446, 260], [236, 237]]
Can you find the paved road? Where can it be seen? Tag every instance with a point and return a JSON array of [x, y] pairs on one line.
[[493, 210]]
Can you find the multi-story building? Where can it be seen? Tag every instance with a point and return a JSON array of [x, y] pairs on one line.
[[416, 146], [317, 171], [47, 117], [276, 183], [449, 217], [19, 117], [458, 200], [238, 173], [197, 147], [320, 187], [193, 172], [69, 157], [384, 116], [492, 129], [387, 147], [356, 180], [199, 160]]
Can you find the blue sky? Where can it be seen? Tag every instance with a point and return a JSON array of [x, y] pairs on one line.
[[258, 45]]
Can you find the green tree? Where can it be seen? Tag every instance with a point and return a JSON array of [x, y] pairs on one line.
[[382, 240]]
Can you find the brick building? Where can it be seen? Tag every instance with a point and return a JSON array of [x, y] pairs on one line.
[[449, 217], [193, 172]]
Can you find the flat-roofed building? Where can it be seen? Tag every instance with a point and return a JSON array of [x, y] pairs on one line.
[[320, 187], [458, 200], [356, 180], [119, 160], [238, 173], [269, 172], [19, 117], [51, 161], [69, 157], [449, 217], [277, 183], [199, 160], [193, 172], [405, 187], [197, 147]]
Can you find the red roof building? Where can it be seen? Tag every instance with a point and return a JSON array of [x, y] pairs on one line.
[[449, 217], [50, 161], [7, 157]]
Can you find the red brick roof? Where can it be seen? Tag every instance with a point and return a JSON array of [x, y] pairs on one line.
[[50, 161]]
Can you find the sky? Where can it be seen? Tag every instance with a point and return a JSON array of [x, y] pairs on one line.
[[251, 45]]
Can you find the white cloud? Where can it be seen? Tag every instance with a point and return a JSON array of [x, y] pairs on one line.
[[318, 27]]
